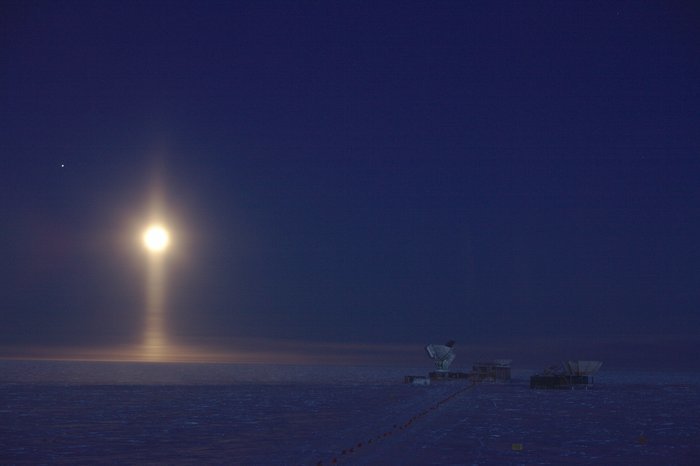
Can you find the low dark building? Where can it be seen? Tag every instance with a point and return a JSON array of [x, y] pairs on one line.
[[568, 375], [497, 370], [448, 375]]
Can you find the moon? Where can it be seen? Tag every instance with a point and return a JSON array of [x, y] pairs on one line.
[[156, 238]]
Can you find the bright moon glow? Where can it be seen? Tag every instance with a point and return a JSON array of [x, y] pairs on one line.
[[156, 238]]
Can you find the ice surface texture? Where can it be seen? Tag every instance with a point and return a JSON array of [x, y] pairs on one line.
[[75, 413]]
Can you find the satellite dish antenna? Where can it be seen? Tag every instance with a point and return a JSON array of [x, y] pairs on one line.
[[582, 367], [443, 355]]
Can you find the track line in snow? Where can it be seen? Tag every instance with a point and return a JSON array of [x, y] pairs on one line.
[[347, 453]]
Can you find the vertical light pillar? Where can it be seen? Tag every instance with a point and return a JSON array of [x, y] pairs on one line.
[[156, 239]]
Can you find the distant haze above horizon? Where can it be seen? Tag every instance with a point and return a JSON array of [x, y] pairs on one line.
[[351, 181]]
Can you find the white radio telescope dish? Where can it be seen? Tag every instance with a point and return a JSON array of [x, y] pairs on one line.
[[443, 355]]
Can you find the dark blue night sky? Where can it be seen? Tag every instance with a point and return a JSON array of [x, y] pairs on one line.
[[522, 177]]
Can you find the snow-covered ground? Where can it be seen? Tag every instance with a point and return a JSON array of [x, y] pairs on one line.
[[127, 413]]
